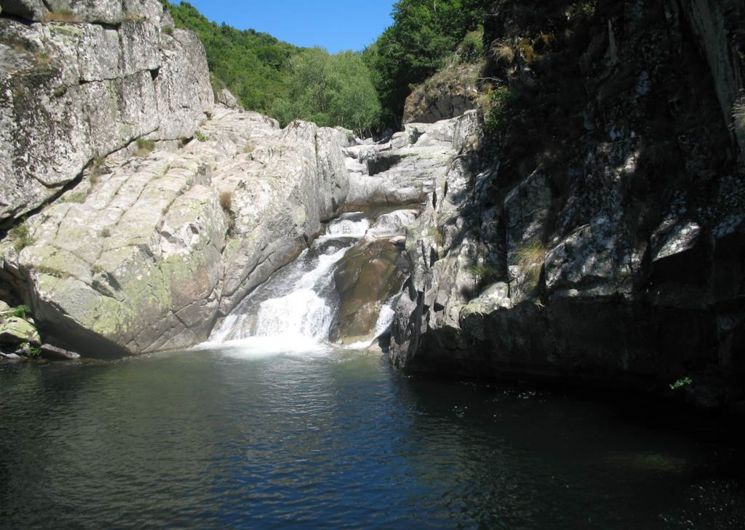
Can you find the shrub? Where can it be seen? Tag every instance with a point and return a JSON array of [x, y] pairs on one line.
[[496, 109], [144, 147], [22, 311], [503, 53], [199, 135], [471, 50], [485, 273], [531, 254], [106, 232], [22, 237]]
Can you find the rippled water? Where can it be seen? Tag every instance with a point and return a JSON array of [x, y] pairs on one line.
[[333, 440]]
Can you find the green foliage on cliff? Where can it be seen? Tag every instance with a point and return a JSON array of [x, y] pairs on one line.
[[329, 90], [423, 35]]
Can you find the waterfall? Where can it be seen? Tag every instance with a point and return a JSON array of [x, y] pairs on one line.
[[295, 309]]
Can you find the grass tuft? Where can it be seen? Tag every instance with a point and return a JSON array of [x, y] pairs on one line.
[[22, 238], [144, 147], [63, 15]]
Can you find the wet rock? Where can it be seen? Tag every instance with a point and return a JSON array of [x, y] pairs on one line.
[[366, 278], [10, 357], [53, 353], [393, 224]]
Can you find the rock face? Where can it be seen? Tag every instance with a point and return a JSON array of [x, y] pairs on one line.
[[84, 80], [623, 258], [151, 248], [403, 170], [448, 94]]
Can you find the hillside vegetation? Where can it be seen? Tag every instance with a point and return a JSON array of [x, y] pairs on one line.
[[282, 80], [348, 89]]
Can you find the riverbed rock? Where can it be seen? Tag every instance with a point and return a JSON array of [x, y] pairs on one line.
[[366, 278], [53, 353], [80, 86]]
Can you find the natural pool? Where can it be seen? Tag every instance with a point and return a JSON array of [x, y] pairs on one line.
[[244, 438]]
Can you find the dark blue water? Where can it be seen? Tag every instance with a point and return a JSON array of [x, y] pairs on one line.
[[335, 440]]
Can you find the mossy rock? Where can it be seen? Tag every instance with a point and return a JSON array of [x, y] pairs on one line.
[[15, 331]]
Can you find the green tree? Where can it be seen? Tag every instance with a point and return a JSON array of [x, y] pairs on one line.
[[424, 33], [330, 90]]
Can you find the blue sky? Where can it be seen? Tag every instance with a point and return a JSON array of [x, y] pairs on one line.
[[333, 24]]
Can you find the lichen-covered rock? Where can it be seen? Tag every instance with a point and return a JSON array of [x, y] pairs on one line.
[[73, 92], [110, 12], [152, 248], [15, 331]]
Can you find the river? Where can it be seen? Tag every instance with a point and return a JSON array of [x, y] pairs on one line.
[[245, 438], [269, 426]]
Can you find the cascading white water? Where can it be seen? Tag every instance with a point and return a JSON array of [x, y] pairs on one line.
[[295, 309], [302, 313]]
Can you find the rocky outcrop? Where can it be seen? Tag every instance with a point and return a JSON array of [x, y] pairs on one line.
[[403, 170], [448, 94], [152, 247], [225, 97], [84, 80], [612, 247]]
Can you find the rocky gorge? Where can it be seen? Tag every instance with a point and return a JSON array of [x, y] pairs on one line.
[[140, 210]]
